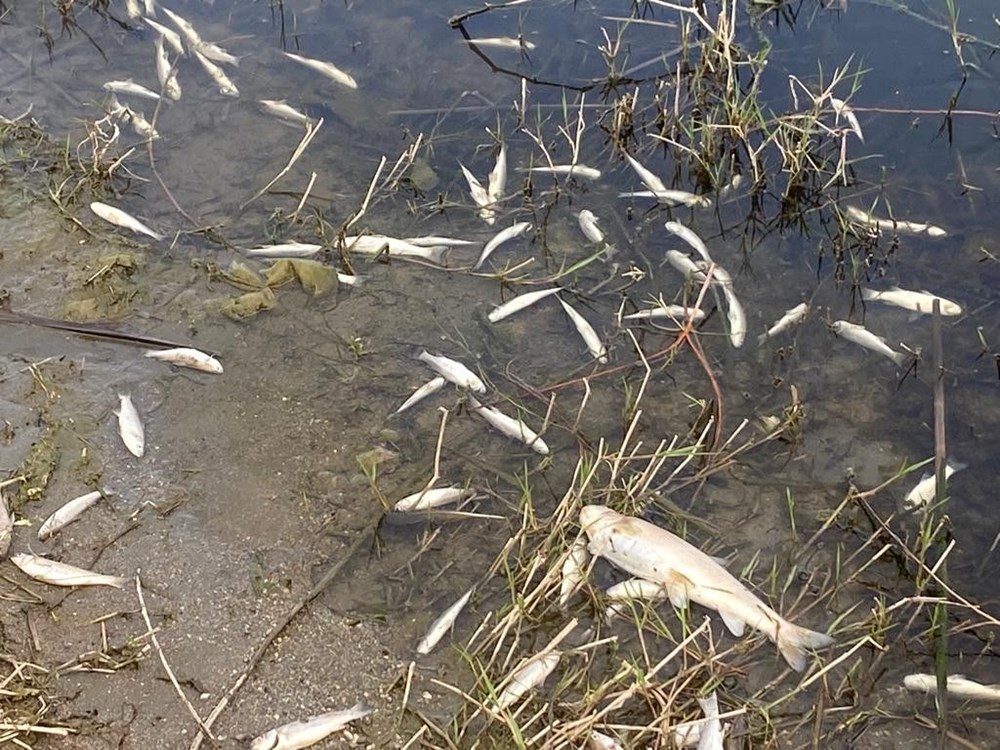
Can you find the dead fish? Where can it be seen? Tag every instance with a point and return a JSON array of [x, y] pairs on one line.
[[283, 110], [302, 734], [431, 240], [864, 218], [350, 279], [170, 36], [599, 741], [918, 302], [217, 53], [711, 730], [119, 218], [480, 196], [497, 183], [185, 28], [6, 526], [671, 197], [131, 88], [734, 315], [149, 7], [431, 386], [697, 244], [650, 180], [66, 514], [791, 317], [217, 74], [60, 574], [509, 426], [515, 230], [861, 336], [588, 225], [443, 624], [130, 426], [650, 552], [518, 303], [132, 9], [570, 170], [594, 344], [452, 371], [186, 357], [843, 109], [698, 269], [434, 498], [166, 73], [143, 127], [373, 244], [623, 594], [327, 69], [530, 675], [923, 492], [677, 313], [286, 250], [956, 685], [573, 571], [502, 42]]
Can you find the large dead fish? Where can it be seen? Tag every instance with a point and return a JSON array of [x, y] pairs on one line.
[[60, 574], [654, 554], [301, 734]]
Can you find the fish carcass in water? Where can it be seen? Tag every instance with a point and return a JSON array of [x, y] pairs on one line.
[[452, 370], [302, 734], [6, 526], [588, 225], [325, 68], [283, 110], [119, 218], [677, 313], [654, 554], [526, 678], [165, 72], [130, 426], [861, 336], [487, 197], [443, 624], [373, 244], [594, 344], [285, 250], [573, 571], [865, 219], [505, 235], [570, 170], [918, 302], [217, 74], [431, 386], [791, 317], [65, 515], [187, 357], [518, 303], [924, 490], [509, 426], [170, 36], [433, 498], [956, 685], [130, 87], [60, 574]]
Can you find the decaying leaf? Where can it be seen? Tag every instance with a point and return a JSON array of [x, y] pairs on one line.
[[249, 304], [315, 277], [242, 276]]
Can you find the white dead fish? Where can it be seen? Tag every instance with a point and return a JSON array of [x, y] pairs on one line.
[[518, 303], [697, 244], [623, 595], [119, 218], [573, 570], [864, 218], [858, 334], [132, 9], [671, 197], [711, 730], [66, 514], [600, 741], [166, 73], [515, 230], [509, 426], [497, 183], [350, 279], [185, 27], [647, 551], [302, 734], [843, 109], [285, 250], [570, 170], [735, 315], [283, 110], [187, 357], [217, 74], [480, 196], [677, 313], [431, 386], [791, 317], [650, 180], [217, 53], [919, 302], [130, 426], [502, 42], [697, 270], [923, 492], [452, 371], [327, 69], [530, 675], [6, 526], [588, 225], [60, 574], [170, 36], [433, 498], [432, 240], [956, 685], [442, 624], [373, 244], [149, 7], [594, 344], [131, 88], [143, 127]]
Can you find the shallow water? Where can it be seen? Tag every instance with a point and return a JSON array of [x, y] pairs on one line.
[[262, 462]]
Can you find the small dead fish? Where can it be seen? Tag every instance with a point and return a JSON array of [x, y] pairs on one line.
[[599, 741], [186, 357], [131, 88], [791, 317], [518, 303], [588, 225], [119, 218], [509, 426], [170, 36], [283, 110], [697, 270], [734, 315], [143, 127], [431, 240], [286, 250], [570, 170], [66, 514], [327, 69], [843, 109], [956, 685], [711, 730], [516, 230], [431, 386], [502, 42], [573, 571], [217, 53], [923, 492], [217, 74], [480, 196], [861, 336], [130, 426], [497, 183], [373, 244], [443, 624], [530, 675], [452, 371], [6, 526], [650, 180], [892, 225], [165, 72], [594, 344], [185, 28], [302, 734], [677, 313], [60, 574], [919, 302], [671, 197], [433, 498], [697, 244]]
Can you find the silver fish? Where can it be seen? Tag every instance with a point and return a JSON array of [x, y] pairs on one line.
[[165, 72], [170, 36], [327, 69], [431, 386], [686, 234], [217, 74], [60, 574], [187, 357], [698, 270], [6, 526], [530, 675], [497, 183], [588, 225], [452, 371], [130, 426], [509, 426], [919, 302], [791, 317], [677, 313], [433, 498], [185, 28], [350, 279], [594, 344], [864, 218], [217, 53], [623, 594], [518, 303], [431, 240], [861, 336], [119, 218], [671, 197], [956, 685], [502, 42], [66, 514], [735, 315], [711, 730], [283, 110], [286, 250], [480, 196], [130, 87], [571, 170], [924, 490], [372, 244], [573, 571], [650, 180], [843, 109], [143, 127], [443, 624], [516, 230], [302, 734]]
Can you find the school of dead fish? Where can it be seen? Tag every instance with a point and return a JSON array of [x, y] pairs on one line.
[[664, 566]]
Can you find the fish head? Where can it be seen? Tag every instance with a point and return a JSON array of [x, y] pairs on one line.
[[267, 741], [598, 522]]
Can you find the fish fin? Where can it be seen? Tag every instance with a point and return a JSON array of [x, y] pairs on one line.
[[762, 339], [794, 640], [723, 561], [436, 253], [677, 587], [900, 358], [117, 581], [956, 466], [734, 624]]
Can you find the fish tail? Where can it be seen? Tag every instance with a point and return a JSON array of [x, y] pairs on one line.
[[901, 359], [868, 294], [117, 581], [762, 339], [794, 641], [436, 253]]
